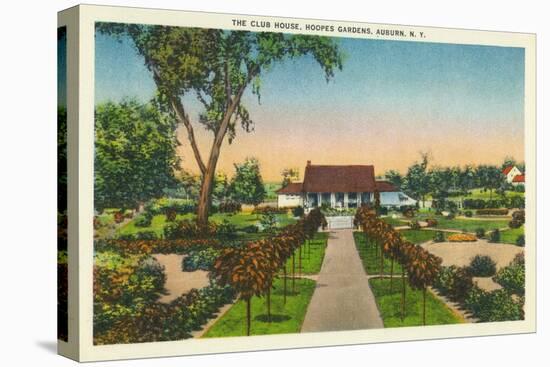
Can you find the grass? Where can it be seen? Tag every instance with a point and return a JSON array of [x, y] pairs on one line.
[[370, 256], [312, 255], [470, 225], [396, 222], [511, 235], [417, 236], [389, 304], [286, 318], [480, 194]]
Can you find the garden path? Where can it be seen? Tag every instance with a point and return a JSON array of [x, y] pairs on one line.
[[342, 299]]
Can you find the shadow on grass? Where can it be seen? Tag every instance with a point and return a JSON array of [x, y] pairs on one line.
[[274, 318]]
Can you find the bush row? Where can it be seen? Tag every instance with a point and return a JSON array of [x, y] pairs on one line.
[[492, 211], [513, 202]]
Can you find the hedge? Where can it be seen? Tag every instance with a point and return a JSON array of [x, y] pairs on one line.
[[492, 212]]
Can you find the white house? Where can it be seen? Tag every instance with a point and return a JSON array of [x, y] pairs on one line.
[[510, 173], [343, 187]]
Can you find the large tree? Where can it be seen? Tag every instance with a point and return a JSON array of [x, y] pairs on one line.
[[417, 180], [490, 178], [247, 185], [216, 66], [135, 154]]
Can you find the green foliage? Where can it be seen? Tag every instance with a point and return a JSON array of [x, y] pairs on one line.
[[512, 277], [135, 154], [414, 225], [520, 241], [454, 282], [468, 213], [188, 229], [480, 232], [229, 206], [298, 211], [482, 266], [199, 259], [247, 185], [143, 220], [226, 230], [493, 306], [494, 237], [439, 236], [268, 222]]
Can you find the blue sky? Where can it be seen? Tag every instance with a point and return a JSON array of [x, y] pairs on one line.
[[410, 96]]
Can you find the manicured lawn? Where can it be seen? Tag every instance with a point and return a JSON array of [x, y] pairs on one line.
[[370, 256], [312, 255], [417, 236], [286, 318], [389, 304], [470, 225], [239, 219], [396, 222], [480, 194], [511, 235]]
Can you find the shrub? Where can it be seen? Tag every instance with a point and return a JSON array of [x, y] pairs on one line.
[[461, 237], [512, 277], [431, 222], [468, 213], [518, 219], [480, 232], [268, 222], [492, 306], [229, 206], [494, 236], [492, 211], [143, 220], [517, 202], [250, 229], [171, 214], [439, 236], [407, 211], [482, 266], [520, 241], [451, 215], [454, 282], [414, 224], [226, 230], [298, 211], [202, 259], [187, 229], [383, 210], [269, 210]]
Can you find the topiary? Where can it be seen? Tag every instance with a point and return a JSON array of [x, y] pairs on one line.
[[495, 236], [480, 232], [439, 236], [482, 266]]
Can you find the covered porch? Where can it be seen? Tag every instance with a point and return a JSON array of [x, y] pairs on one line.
[[337, 200]]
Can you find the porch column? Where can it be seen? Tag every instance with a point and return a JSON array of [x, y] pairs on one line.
[[345, 200], [332, 200], [319, 199], [359, 199]]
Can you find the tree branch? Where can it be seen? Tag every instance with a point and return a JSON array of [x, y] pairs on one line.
[[183, 118]]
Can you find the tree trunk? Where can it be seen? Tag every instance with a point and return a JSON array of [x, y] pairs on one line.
[[284, 284], [424, 306], [203, 206], [391, 275], [403, 290], [293, 271], [248, 300], [269, 304], [299, 260], [381, 260]]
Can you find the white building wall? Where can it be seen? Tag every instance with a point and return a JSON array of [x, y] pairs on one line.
[[289, 201], [513, 173]]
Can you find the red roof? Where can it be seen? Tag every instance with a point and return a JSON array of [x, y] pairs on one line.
[[356, 178], [291, 188], [385, 186], [507, 170], [519, 178]]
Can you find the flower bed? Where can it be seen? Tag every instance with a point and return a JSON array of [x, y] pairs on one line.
[[461, 237]]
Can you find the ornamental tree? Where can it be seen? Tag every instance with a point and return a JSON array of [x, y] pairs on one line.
[[216, 67]]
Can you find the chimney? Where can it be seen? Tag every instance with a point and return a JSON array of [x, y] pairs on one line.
[[309, 163]]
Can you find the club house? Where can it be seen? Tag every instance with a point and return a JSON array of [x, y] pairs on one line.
[[340, 187]]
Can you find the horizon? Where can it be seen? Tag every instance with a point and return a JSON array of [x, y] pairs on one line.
[[461, 103]]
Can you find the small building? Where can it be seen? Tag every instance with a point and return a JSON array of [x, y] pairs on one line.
[[342, 187], [518, 180], [510, 172]]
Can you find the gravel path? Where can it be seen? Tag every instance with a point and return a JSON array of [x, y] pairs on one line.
[[179, 282], [343, 299]]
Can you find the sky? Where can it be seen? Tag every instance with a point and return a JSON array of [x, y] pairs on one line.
[[463, 104]]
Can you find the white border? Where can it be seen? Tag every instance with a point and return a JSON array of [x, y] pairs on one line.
[[88, 15]]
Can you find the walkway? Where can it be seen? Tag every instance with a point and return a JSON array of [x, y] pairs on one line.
[[343, 299]]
